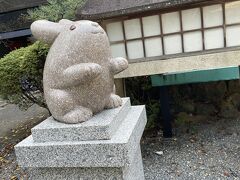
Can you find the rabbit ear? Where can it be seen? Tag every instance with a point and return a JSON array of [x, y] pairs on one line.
[[46, 31], [65, 22]]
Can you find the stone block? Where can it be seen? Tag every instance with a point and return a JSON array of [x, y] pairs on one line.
[[115, 152], [132, 172], [102, 126]]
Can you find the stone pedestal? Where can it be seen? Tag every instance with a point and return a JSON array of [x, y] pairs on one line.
[[105, 147]]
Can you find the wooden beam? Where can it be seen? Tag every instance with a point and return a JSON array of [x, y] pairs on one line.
[[14, 34], [196, 76], [183, 64]]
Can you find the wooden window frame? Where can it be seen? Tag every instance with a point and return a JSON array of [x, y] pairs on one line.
[[181, 32]]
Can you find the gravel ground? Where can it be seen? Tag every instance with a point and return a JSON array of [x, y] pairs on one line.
[[210, 150], [207, 150]]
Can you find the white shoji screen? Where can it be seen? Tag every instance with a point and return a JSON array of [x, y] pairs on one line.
[[189, 30], [232, 10]]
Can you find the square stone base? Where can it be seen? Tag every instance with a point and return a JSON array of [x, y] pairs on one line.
[[132, 172], [73, 156]]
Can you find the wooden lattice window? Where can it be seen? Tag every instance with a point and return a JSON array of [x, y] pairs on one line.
[[195, 29]]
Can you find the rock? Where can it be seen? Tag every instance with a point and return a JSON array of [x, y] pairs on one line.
[[215, 92], [159, 153], [228, 110], [212, 91], [199, 93], [235, 99], [205, 109], [234, 86], [187, 106], [182, 118]]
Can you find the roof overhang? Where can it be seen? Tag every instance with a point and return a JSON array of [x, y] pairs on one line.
[[107, 9], [14, 34], [13, 5]]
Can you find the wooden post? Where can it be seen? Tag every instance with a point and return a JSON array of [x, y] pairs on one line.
[[120, 87], [165, 111]]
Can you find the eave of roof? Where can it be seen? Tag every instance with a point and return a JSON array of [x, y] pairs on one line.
[[105, 9], [13, 5], [13, 34]]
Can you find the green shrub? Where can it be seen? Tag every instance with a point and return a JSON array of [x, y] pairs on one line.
[[56, 10], [141, 92], [21, 73]]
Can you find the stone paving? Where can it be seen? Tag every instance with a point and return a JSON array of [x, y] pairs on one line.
[[11, 116]]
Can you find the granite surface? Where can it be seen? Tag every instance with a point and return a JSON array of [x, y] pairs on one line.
[[132, 172], [101, 126], [135, 170], [79, 71], [116, 152]]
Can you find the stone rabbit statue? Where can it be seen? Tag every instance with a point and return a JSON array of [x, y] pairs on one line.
[[79, 71]]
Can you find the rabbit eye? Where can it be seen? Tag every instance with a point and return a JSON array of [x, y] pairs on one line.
[[72, 27]]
